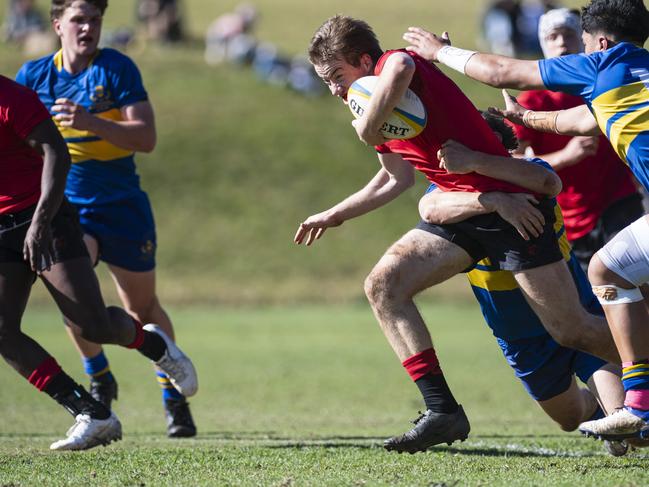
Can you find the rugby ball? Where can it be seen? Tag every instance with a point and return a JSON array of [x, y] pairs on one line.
[[407, 120]]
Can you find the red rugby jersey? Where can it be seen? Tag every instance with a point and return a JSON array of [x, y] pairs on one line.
[[591, 185], [451, 115], [20, 166]]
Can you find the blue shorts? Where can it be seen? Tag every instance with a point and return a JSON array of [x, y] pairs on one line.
[[124, 230], [545, 368]]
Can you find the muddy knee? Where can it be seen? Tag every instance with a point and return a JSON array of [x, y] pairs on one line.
[[381, 285]]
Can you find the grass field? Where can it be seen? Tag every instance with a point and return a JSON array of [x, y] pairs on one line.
[[302, 396], [298, 393]]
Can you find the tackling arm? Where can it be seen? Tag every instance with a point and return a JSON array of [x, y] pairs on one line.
[[456, 158], [491, 69], [439, 207], [578, 120]]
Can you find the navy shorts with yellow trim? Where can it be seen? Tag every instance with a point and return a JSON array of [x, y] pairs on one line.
[[546, 368], [124, 230], [490, 236]]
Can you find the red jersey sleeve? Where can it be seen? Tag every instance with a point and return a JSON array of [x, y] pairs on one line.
[[25, 112]]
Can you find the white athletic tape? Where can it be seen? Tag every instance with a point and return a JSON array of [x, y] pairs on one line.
[[609, 294], [454, 57]]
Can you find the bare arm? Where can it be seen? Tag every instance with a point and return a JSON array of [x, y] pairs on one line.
[[575, 151], [136, 132], [491, 69], [392, 85], [46, 139], [574, 121], [456, 158], [395, 176], [439, 207]]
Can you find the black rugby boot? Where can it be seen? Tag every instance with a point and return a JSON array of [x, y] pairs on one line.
[[180, 423], [431, 429]]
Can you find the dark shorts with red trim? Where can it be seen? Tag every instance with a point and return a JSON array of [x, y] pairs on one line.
[[67, 237], [489, 236]]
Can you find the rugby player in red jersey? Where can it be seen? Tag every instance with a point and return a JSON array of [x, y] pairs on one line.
[[343, 50], [40, 235]]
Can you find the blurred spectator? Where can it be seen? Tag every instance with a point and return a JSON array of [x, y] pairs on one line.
[[527, 25], [23, 20], [24, 25], [303, 78], [499, 26], [161, 19], [509, 27], [229, 36], [229, 39]]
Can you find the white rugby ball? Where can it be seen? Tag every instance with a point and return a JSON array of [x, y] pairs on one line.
[[407, 120]]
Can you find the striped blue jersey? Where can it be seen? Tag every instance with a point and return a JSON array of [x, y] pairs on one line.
[[615, 85], [101, 172]]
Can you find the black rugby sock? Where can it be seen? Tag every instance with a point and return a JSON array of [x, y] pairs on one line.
[[436, 393], [74, 397], [153, 346]]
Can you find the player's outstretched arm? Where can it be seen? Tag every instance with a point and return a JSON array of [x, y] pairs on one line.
[[491, 69], [459, 159], [393, 82], [395, 176], [136, 132], [574, 121], [46, 139], [518, 209]]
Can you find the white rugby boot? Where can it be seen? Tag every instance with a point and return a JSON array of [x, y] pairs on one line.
[[176, 365], [618, 426], [87, 433]]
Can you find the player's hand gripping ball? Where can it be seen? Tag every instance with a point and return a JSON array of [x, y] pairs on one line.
[[407, 120]]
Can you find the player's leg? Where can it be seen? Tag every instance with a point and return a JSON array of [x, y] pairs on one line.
[[124, 238], [616, 273], [546, 370], [103, 386], [417, 261], [137, 293], [552, 294], [74, 287], [571, 407], [95, 424]]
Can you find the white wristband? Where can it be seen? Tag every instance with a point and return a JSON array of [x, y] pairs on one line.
[[454, 57]]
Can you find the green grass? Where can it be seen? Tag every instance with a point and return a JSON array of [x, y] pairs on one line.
[[302, 396]]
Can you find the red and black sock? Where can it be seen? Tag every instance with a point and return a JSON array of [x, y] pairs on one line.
[[425, 371], [48, 377], [149, 344]]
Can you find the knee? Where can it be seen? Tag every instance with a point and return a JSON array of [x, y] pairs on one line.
[[380, 285], [597, 271], [569, 424]]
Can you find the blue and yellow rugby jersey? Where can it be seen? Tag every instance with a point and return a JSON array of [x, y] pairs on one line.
[[502, 302], [615, 86], [101, 172]]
